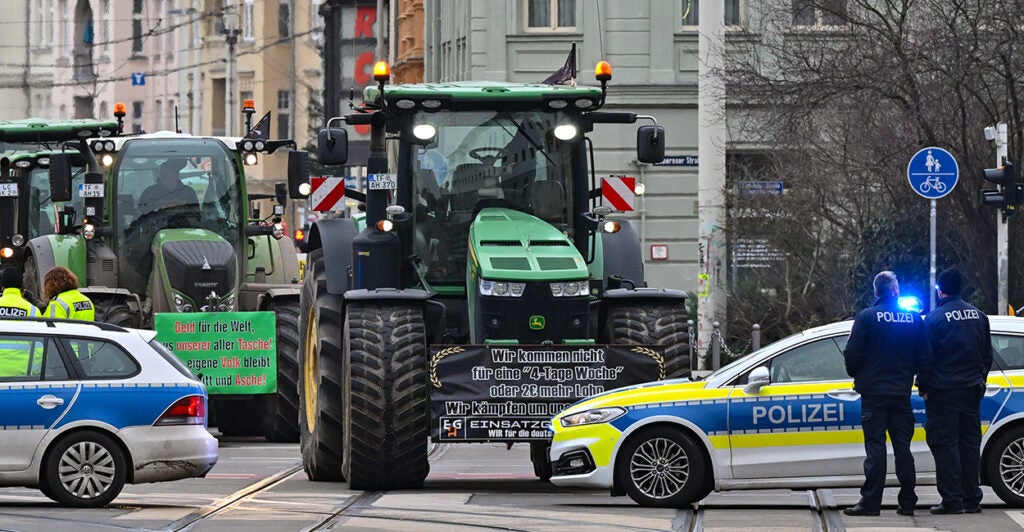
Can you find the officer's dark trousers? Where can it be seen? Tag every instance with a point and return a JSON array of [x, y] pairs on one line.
[[953, 432], [881, 414]]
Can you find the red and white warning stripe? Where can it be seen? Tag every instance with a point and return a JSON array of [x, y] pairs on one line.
[[619, 192], [328, 193]]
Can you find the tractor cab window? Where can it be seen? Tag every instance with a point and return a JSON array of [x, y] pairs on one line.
[[167, 184], [485, 159], [42, 211]]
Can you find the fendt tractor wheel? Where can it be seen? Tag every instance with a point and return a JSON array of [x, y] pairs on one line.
[[1004, 463], [662, 467], [386, 423], [114, 312], [660, 324], [539, 451], [281, 419], [320, 359], [30, 282]]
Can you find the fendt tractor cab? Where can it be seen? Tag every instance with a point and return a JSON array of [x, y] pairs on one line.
[[26, 208], [485, 288], [166, 229]]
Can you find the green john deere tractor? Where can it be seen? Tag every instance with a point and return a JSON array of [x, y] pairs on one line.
[[167, 229], [484, 289]]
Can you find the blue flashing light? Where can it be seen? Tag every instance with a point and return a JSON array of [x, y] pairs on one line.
[[911, 304]]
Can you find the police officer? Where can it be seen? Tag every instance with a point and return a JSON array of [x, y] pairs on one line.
[[12, 302], [886, 347], [61, 288], [952, 387]]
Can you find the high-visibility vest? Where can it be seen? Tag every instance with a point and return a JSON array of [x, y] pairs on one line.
[[13, 304], [72, 305]]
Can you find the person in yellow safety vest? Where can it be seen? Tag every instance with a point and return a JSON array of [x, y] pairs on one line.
[[65, 301], [13, 359]]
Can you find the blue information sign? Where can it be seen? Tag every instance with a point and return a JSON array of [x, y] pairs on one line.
[[932, 172]]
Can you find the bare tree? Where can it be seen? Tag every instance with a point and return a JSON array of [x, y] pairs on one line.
[[837, 96]]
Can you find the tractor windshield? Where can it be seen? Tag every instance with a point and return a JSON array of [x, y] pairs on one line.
[[167, 184], [484, 159]]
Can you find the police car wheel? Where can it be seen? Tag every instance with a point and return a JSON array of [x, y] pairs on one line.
[[662, 467], [1005, 466], [85, 470]]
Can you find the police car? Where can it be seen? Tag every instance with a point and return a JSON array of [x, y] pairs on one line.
[[785, 416], [88, 407]]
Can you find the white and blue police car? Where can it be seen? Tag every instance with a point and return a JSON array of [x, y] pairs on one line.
[[785, 416], [88, 407]]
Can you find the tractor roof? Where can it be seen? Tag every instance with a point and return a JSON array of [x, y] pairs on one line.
[[483, 94], [42, 130]]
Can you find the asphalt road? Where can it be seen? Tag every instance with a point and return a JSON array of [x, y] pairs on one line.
[[258, 485]]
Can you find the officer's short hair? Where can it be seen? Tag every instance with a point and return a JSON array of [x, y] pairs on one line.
[[949, 282], [886, 284], [10, 276]]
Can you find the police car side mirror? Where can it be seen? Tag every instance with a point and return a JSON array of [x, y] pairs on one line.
[[756, 380]]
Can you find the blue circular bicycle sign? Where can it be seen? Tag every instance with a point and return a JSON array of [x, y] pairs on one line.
[[932, 172]]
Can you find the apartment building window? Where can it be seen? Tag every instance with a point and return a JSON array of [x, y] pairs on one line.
[[549, 15], [137, 117], [137, 27], [248, 22], [284, 20], [691, 13], [820, 12], [284, 106]]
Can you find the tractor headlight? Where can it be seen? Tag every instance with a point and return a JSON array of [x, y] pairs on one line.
[[568, 289], [6, 252], [18, 239], [89, 231], [590, 417], [250, 159], [181, 304], [278, 231], [107, 159], [501, 288]]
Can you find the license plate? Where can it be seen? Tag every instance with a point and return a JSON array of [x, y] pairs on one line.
[[90, 190], [383, 182], [9, 189]]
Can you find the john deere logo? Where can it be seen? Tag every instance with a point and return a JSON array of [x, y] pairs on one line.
[[536, 322]]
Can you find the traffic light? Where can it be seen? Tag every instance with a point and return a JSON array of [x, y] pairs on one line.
[[1009, 194]]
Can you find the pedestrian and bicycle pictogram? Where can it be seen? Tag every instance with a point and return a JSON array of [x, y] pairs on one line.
[[932, 172]]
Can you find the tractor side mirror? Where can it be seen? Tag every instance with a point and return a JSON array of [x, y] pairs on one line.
[[332, 146], [650, 144], [298, 173], [60, 177], [281, 194]]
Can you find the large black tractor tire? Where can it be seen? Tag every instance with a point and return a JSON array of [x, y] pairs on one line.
[[281, 419], [115, 312], [651, 323], [539, 451], [387, 419], [30, 283], [321, 434]]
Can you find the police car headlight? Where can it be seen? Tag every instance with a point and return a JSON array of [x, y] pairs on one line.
[[590, 417]]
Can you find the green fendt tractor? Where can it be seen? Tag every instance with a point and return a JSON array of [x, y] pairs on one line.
[[485, 288], [26, 209], [166, 228]]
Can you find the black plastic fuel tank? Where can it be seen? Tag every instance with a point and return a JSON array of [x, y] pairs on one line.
[[376, 259]]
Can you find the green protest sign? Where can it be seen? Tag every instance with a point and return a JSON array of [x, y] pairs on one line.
[[231, 352]]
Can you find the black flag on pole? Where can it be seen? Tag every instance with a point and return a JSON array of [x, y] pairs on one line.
[[567, 72], [261, 130]]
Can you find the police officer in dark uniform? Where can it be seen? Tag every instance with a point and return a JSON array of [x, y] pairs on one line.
[[886, 347], [952, 387]]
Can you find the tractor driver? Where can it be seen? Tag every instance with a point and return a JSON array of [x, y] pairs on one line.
[[168, 191]]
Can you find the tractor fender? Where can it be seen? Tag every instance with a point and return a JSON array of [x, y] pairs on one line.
[[638, 296], [386, 294], [622, 256], [58, 250], [334, 236], [278, 294]]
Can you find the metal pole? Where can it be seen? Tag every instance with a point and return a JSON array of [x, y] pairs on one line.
[[711, 237], [1003, 232], [931, 256], [231, 36], [716, 346], [689, 332], [755, 338]]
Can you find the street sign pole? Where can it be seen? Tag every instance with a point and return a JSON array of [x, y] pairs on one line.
[[931, 257], [1002, 231]]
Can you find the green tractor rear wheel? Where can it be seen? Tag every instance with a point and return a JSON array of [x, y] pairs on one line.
[[320, 368], [387, 418], [660, 324]]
